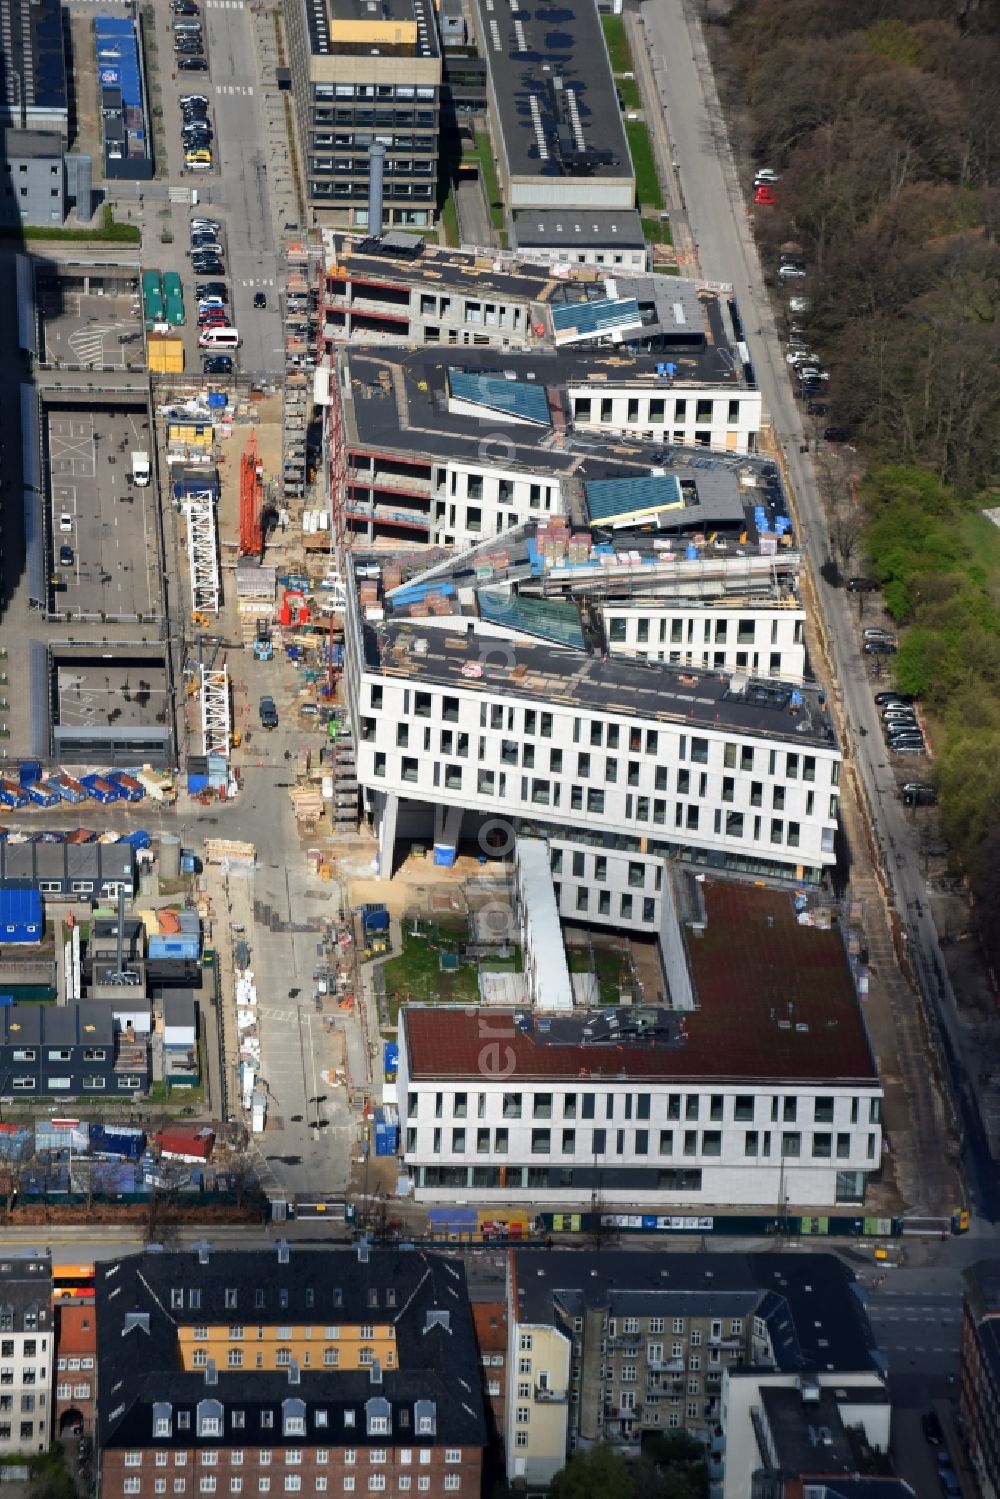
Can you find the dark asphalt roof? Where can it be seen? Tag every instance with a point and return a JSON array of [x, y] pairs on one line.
[[584, 228], [422, 1295], [537, 55], [815, 1317]]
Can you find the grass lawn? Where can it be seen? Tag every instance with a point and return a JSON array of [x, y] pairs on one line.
[[657, 232], [484, 154], [617, 42], [449, 220], [647, 184], [610, 966], [983, 538], [416, 976], [629, 90]]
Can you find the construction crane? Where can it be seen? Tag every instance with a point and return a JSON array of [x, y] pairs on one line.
[[251, 501]]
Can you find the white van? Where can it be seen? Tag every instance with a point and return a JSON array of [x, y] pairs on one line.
[[219, 338], [140, 469]]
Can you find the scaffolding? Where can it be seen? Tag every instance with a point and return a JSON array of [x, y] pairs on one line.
[[203, 553], [216, 717]]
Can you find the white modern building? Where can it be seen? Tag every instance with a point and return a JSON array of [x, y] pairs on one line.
[[26, 1351], [490, 713], [766, 639], [758, 1087]]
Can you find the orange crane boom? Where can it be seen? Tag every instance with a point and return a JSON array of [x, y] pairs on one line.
[[251, 500]]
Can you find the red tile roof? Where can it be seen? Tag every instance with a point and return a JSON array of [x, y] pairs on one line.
[[753, 968]]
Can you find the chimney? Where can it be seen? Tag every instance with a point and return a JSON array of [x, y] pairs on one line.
[[376, 177]]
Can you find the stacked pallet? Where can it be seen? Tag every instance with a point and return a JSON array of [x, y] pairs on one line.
[[229, 851]]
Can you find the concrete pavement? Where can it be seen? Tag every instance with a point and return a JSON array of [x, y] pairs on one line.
[[717, 214]]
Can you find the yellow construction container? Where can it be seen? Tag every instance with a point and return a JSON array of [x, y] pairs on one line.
[[192, 434], [165, 355]]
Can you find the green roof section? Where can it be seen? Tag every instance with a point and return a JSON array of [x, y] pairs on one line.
[[514, 398], [547, 619], [613, 499]]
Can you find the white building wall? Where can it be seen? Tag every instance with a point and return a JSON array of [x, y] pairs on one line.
[[765, 641], [692, 784], [536, 1428], [728, 419], [657, 1127], [475, 502]]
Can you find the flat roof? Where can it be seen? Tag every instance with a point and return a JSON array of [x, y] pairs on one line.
[[37, 144], [552, 89], [760, 960], [108, 695], [563, 229], [34, 55], [693, 698], [330, 23]]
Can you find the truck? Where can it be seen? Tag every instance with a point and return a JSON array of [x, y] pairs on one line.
[[101, 790], [69, 789], [129, 786], [140, 469], [174, 298], [258, 1111]]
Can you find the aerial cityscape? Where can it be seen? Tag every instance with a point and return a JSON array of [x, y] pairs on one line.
[[500, 734]]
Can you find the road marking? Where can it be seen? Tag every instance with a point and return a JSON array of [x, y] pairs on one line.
[[246, 89]]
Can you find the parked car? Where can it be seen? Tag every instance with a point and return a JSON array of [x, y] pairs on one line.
[[268, 713], [65, 521], [931, 1426], [192, 64], [798, 304], [260, 299], [919, 794], [217, 364], [765, 174], [66, 557], [765, 195], [791, 272], [863, 585], [193, 99], [212, 289], [879, 648], [199, 223], [889, 696]]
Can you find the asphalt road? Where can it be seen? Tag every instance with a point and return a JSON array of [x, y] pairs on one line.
[[717, 214], [244, 162]]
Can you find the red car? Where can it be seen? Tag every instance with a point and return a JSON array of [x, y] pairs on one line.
[[765, 195], [212, 317]]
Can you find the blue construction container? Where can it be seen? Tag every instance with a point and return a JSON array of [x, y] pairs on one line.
[[117, 1141], [139, 839], [197, 782], [387, 1130], [444, 855], [390, 1060], [375, 918], [217, 400], [186, 948], [29, 771]]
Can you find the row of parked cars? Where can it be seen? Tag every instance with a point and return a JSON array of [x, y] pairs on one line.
[[197, 133], [189, 42], [900, 723]]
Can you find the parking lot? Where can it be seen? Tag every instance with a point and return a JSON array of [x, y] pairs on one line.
[[235, 190], [88, 328], [107, 524]]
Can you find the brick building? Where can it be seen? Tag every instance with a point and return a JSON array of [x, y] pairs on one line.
[[287, 1372], [75, 1365], [489, 1318]]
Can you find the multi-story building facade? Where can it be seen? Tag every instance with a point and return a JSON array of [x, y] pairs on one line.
[[496, 705], [75, 1368], [26, 1351], [70, 1051], [765, 638], [758, 1086], [489, 1318], [365, 75], [287, 1372], [609, 1346], [979, 1373]]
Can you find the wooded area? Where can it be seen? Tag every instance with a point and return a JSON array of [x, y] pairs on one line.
[[883, 118]]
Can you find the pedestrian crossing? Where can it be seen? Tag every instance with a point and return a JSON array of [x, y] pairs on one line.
[[246, 89], [87, 344]]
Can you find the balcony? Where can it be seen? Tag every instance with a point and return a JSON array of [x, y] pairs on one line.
[[546, 1396], [665, 1366]]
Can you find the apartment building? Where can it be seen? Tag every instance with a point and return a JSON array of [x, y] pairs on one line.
[[26, 1351], [489, 1319], [979, 1373], [399, 289], [287, 1371], [757, 1086], [366, 75], [75, 1406], [490, 704], [608, 1346]]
